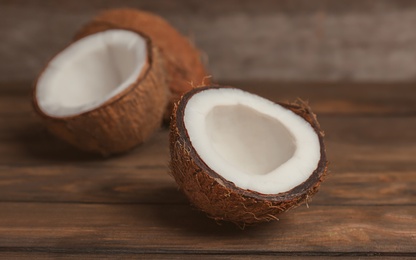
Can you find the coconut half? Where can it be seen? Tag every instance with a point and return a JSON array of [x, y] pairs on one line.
[[184, 65], [104, 93], [242, 158]]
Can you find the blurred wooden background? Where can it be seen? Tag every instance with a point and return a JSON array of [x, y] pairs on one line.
[[288, 40]]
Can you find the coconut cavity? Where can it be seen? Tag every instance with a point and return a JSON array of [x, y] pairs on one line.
[[250, 141], [90, 72]]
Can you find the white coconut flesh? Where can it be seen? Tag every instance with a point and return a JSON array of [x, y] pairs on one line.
[[248, 140], [91, 71]]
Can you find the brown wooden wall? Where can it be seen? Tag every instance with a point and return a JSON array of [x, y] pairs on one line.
[[290, 40]]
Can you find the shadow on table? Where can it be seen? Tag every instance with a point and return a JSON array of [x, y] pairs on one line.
[[33, 140], [184, 217]]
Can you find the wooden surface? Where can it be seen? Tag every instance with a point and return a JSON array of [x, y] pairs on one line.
[[58, 202], [319, 40]]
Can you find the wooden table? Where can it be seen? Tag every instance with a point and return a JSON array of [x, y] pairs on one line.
[[56, 201]]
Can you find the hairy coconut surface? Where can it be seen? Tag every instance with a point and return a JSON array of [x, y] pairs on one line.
[[105, 93], [223, 199], [184, 65]]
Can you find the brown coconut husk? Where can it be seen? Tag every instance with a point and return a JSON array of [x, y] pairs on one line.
[[184, 65], [222, 199], [122, 122]]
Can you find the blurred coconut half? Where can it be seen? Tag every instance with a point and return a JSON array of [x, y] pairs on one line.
[[111, 88], [105, 92], [242, 158], [184, 66]]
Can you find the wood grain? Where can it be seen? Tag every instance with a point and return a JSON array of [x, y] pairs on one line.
[[57, 202], [122, 254], [244, 40], [92, 185], [177, 228], [364, 143], [372, 99]]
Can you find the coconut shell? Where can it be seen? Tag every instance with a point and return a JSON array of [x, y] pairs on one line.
[[222, 199], [184, 65], [122, 122]]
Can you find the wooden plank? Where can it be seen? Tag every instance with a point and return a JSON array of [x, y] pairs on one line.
[[177, 228], [364, 143], [368, 188], [276, 40], [325, 98], [24, 141], [71, 184], [15, 99], [89, 185], [373, 99], [125, 255]]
